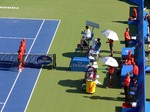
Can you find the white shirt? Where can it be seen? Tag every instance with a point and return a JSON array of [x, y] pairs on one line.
[[87, 34]]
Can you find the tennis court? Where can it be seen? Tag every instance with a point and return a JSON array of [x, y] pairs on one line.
[[58, 90], [16, 87]]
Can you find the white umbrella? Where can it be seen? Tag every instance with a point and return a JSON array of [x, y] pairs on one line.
[[109, 61], [110, 34]]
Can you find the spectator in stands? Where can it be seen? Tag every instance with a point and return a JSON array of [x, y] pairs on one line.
[[111, 75], [111, 42], [126, 84], [135, 72], [127, 37], [135, 14]]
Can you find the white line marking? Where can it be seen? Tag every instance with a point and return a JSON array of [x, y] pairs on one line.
[[9, 7], [53, 37], [19, 71], [29, 18], [16, 38], [40, 71]]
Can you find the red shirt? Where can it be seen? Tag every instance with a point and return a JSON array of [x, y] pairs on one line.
[[128, 62], [127, 81], [111, 70], [111, 41], [20, 56], [135, 70], [21, 49], [135, 12], [23, 44], [127, 35], [132, 59]]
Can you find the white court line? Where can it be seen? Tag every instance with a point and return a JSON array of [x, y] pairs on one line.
[[20, 72], [16, 38], [53, 36], [29, 18], [9, 7], [40, 70]]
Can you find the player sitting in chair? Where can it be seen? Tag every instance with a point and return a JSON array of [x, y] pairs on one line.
[[95, 49]]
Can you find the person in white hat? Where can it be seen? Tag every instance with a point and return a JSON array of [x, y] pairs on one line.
[[90, 73]]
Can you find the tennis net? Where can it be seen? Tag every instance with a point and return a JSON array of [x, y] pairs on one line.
[[31, 60]]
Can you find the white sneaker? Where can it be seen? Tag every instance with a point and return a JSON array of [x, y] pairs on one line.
[[20, 70], [97, 82]]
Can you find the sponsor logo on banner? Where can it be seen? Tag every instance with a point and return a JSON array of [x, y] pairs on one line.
[[44, 60]]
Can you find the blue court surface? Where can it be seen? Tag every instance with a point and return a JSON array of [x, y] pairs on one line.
[[16, 88]]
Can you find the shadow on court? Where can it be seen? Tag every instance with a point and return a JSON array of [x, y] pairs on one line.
[[68, 54], [72, 54], [108, 51], [122, 42], [74, 85], [122, 22], [116, 81], [148, 99], [62, 68], [12, 69], [118, 109], [105, 98]]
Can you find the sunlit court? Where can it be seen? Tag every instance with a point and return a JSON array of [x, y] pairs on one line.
[[16, 87]]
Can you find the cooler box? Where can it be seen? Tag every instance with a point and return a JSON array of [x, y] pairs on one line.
[[90, 86], [79, 63]]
